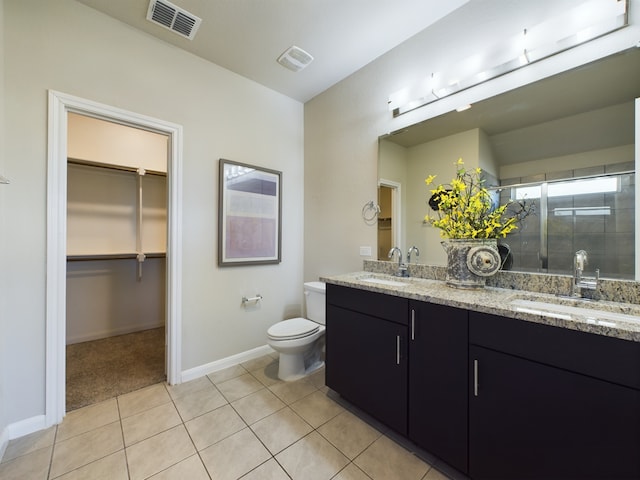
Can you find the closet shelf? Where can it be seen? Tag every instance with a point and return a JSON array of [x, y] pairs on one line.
[[122, 168], [112, 256]]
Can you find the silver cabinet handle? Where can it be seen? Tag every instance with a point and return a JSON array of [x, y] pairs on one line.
[[397, 349], [475, 378], [413, 324]]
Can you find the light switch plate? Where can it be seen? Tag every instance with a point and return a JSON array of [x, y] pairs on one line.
[[365, 251]]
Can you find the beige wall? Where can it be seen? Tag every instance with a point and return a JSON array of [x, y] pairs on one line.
[[394, 169], [438, 158], [343, 123], [68, 47]]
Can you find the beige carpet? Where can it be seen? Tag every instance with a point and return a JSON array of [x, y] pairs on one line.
[[102, 369]]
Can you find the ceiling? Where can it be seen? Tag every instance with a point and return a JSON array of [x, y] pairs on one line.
[[247, 36]]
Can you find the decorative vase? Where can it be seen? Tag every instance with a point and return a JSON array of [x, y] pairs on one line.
[[470, 261]]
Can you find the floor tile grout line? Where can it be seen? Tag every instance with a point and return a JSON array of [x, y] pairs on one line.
[[92, 461], [286, 405], [351, 462], [124, 445], [274, 455], [281, 466], [53, 448], [338, 448], [184, 424], [246, 426]]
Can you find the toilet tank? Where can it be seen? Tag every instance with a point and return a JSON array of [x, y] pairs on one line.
[[314, 293]]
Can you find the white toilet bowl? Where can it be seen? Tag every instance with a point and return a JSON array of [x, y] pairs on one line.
[[299, 341]]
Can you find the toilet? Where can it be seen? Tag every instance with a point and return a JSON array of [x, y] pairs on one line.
[[299, 341]]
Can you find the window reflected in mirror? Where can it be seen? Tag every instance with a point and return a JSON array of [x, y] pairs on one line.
[[595, 214]]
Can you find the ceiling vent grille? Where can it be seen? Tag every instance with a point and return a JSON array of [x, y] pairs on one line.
[[174, 18], [294, 58]]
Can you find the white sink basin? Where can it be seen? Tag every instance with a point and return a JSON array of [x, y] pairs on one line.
[[568, 312], [384, 281]]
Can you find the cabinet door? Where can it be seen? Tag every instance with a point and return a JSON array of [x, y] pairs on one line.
[[366, 363], [528, 420], [438, 388]]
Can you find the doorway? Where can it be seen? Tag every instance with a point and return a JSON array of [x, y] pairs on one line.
[[116, 256], [60, 105], [389, 221]]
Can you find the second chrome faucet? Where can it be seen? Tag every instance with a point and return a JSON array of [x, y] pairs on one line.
[[412, 250], [403, 268]]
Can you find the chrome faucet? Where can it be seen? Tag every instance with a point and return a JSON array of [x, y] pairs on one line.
[[402, 268], [412, 249], [580, 259]]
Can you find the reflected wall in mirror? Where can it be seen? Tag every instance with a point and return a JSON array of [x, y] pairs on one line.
[[576, 124]]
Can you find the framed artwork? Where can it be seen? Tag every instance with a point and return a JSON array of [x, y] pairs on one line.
[[250, 205]]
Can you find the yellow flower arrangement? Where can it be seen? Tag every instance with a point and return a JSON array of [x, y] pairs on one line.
[[465, 208]]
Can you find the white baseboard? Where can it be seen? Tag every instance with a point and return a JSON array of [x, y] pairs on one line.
[[26, 426], [4, 441], [223, 363], [87, 337]]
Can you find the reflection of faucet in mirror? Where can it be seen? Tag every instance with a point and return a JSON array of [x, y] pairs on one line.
[[402, 268], [580, 259], [411, 250]]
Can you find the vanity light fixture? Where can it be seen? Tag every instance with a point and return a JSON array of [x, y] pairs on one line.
[[524, 58], [586, 22], [462, 108]]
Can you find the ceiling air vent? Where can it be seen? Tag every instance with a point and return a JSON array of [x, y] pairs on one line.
[[174, 18], [295, 59]]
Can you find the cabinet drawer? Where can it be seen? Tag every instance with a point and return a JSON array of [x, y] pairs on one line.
[[387, 307], [607, 358]]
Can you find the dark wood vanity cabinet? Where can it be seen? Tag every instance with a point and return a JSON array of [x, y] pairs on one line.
[[494, 397], [438, 373], [366, 352], [551, 403]]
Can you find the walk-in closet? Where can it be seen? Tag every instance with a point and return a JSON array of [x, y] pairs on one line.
[[116, 259]]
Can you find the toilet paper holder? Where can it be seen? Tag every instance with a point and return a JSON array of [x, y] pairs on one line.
[[255, 299]]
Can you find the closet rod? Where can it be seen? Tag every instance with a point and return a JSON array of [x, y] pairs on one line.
[[122, 168], [112, 256]]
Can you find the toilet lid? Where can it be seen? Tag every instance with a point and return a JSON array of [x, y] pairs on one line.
[[292, 329]]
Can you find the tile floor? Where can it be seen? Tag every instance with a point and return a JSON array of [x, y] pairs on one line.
[[241, 422]]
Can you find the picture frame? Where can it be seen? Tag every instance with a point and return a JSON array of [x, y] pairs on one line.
[[249, 214]]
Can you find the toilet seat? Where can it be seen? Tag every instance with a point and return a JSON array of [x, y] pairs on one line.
[[292, 329]]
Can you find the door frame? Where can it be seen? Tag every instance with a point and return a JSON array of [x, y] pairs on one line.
[[60, 104], [637, 203]]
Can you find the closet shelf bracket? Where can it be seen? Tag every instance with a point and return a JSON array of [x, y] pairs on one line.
[[140, 257]]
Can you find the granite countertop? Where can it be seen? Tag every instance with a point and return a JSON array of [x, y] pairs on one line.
[[612, 319]]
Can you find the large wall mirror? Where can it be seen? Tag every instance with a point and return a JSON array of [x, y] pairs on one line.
[[554, 135]]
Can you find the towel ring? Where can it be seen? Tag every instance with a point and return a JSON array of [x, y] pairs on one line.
[[370, 212]]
